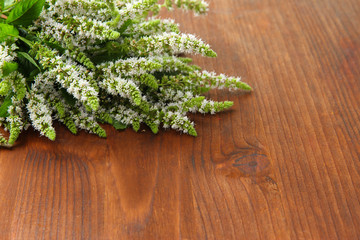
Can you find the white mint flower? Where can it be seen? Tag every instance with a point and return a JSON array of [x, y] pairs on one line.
[[85, 62]]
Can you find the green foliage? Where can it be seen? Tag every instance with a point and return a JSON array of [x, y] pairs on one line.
[[192, 131], [153, 126], [149, 80], [69, 123], [60, 108], [3, 141], [4, 4], [98, 130], [29, 58], [26, 68], [14, 130], [105, 118], [8, 68], [5, 87], [119, 125], [136, 124], [125, 25], [5, 106], [25, 12], [8, 32], [19, 87], [69, 99], [50, 133], [87, 62]]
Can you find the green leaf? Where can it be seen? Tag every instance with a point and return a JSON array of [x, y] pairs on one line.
[[119, 125], [6, 3], [25, 12], [125, 25], [25, 66], [33, 73], [7, 32], [26, 41], [29, 58], [9, 67], [55, 46], [5, 106], [69, 99]]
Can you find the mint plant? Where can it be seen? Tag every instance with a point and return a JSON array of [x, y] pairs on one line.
[[88, 62]]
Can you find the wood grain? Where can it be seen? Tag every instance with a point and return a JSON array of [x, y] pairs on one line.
[[284, 163]]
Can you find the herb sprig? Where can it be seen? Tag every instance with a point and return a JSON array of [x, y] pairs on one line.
[[88, 62]]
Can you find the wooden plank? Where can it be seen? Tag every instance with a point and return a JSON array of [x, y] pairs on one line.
[[282, 164]]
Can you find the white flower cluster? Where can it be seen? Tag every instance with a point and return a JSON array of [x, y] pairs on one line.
[[91, 9], [170, 44], [130, 67], [125, 88], [111, 61], [84, 120], [40, 115], [137, 66], [153, 26], [213, 80], [125, 115], [76, 23], [132, 10], [6, 54], [198, 6], [73, 77]]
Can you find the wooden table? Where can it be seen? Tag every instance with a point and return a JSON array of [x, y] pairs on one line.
[[282, 164]]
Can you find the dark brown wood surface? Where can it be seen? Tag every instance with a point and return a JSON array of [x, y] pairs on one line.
[[284, 163]]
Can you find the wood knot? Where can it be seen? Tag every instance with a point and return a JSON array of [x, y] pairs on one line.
[[249, 165]]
